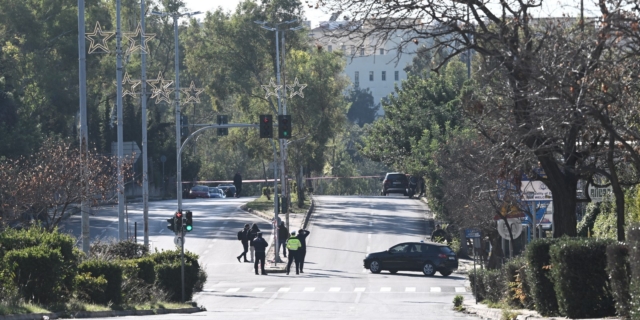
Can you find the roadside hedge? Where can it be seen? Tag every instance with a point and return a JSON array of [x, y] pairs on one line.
[[112, 272], [91, 289], [538, 266], [519, 293], [578, 270], [619, 272], [37, 274], [169, 272], [633, 241], [143, 269], [490, 285]]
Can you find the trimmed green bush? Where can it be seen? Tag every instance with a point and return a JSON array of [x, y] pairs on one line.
[[118, 250], [143, 269], [581, 282], [633, 241], [490, 285], [112, 272], [538, 266], [619, 272], [518, 294], [168, 272], [90, 288], [38, 273]]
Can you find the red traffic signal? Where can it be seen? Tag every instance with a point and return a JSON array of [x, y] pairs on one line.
[[266, 126]]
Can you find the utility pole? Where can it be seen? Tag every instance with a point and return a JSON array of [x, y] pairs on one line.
[[143, 99], [84, 133], [121, 189]]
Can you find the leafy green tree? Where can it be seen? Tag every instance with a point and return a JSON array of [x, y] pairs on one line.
[[363, 109]]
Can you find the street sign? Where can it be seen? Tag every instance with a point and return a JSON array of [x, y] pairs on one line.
[[177, 240], [598, 194], [130, 149], [163, 159], [472, 233], [516, 228]]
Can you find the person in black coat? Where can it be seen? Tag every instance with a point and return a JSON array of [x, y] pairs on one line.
[[283, 236], [253, 234], [260, 246], [243, 236], [302, 252], [237, 181]]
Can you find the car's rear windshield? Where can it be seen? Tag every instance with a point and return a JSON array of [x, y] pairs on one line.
[[397, 177], [446, 250]]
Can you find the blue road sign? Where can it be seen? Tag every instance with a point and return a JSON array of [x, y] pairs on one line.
[[472, 233]]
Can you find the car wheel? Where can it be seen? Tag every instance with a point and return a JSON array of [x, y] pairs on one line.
[[393, 271], [374, 266], [429, 269], [446, 273]]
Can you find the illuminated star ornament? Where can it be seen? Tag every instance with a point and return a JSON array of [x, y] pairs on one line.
[[133, 37], [192, 93], [273, 85], [98, 40], [129, 86], [160, 88], [294, 92]]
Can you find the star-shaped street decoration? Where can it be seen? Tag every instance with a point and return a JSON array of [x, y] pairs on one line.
[[98, 39], [294, 92], [160, 88], [273, 85], [192, 94], [133, 38], [131, 85]]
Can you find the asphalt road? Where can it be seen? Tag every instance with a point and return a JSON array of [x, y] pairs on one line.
[[335, 284]]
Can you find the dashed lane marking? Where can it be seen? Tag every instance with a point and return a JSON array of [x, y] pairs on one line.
[[309, 289], [385, 289], [461, 289], [359, 289], [284, 289], [436, 289], [233, 290], [258, 289], [410, 289], [334, 289]]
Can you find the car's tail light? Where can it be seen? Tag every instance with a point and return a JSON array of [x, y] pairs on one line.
[[386, 182], [442, 255]]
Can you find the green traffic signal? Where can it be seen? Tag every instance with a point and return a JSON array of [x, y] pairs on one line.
[[189, 228], [188, 224]]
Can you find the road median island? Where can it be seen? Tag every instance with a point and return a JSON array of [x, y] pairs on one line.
[[295, 219], [99, 314]]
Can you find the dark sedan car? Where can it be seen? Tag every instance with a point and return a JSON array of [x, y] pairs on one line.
[[228, 189], [199, 192], [395, 182], [427, 257]]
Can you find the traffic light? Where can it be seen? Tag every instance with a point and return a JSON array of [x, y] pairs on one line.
[[171, 224], [284, 126], [223, 119], [188, 221], [266, 126], [178, 218], [184, 126]]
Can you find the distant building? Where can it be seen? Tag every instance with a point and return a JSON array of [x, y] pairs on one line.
[[373, 63]]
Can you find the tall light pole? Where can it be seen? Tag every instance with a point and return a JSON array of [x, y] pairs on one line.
[[84, 133], [176, 16], [119, 119], [143, 99]]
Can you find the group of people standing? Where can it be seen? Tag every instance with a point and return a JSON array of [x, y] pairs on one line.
[[295, 243]]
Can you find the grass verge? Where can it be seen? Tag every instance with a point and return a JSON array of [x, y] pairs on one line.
[[74, 306], [265, 205]]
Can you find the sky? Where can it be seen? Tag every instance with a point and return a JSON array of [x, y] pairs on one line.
[[550, 8]]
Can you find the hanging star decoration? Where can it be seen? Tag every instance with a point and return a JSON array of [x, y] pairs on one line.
[[275, 87], [132, 37], [98, 39], [129, 86], [294, 92], [192, 94], [160, 88]]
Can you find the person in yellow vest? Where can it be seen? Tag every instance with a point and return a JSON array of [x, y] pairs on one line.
[[293, 244]]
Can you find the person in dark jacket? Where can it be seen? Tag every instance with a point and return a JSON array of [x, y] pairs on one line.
[[243, 236], [438, 235], [260, 246], [237, 181], [302, 252], [253, 234], [283, 236]]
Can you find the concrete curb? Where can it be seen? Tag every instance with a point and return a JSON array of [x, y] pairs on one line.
[[485, 312], [98, 314]]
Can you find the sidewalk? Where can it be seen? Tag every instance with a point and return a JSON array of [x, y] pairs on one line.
[[296, 221], [484, 312]]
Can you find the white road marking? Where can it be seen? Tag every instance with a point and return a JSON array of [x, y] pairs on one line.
[[284, 289], [436, 289], [359, 289], [211, 246], [233, 290], [205, 252], [214, 240], [309, 289], [334, 289], [358, 297], [369, 236], [410, 289], [257, 289], [461, 289], [385, 289]]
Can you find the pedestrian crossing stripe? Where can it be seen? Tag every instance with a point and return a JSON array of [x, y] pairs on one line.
[[339, 289]]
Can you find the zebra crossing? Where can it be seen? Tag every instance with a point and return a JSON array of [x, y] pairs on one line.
[[443, 289]]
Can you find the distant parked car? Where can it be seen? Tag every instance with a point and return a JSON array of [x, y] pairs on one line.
[[216, 193], [427, 257], [199, 192], [229, 189], [395, 182]]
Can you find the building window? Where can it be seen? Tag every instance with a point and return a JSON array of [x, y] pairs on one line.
[[397, 75], [344, 48], [356, 79], [353, 50], [361, 52], [384, 76], [381, 51], [330, 48], [370, 75]]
